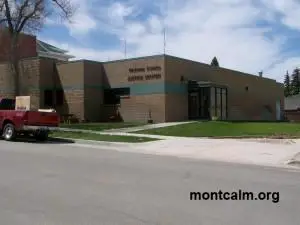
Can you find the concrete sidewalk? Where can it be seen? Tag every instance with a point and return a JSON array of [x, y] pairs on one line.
[[268, 153], [146, 127], [229, 150], [119, 133]]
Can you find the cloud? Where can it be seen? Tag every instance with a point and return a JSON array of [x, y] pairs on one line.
[[279, 70], [80, 24], [288, 11], [87, 53], [195, 29]]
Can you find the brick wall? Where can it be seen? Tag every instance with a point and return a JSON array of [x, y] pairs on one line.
[[242, 104], [29, 80], [293, 115], [93, 91], [137, 108], [142, 98], [176, 107], [26, 46], [71, 79]]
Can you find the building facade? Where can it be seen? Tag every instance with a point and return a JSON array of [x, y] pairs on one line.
[[161, 88], [292, 108]]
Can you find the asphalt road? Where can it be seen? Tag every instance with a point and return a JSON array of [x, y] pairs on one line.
[[52, 184]]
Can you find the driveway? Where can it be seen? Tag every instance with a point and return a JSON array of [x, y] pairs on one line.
[[68, 184]]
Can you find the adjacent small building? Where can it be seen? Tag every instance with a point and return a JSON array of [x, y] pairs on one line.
[[292, 108], [161, 88]]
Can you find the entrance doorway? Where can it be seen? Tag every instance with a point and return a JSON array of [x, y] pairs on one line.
[[194, 105], [207, 100], [204, 103], [199, 104]]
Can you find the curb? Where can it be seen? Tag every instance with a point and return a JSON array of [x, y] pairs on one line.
[[295, 161], [107, 143], [118, 134]]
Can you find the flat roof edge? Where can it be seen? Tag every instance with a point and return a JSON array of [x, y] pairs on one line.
[[222, 68], [134, 58]]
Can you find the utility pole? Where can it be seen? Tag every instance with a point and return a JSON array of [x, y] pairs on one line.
[[164, 39], [164, 26], [125, 49]]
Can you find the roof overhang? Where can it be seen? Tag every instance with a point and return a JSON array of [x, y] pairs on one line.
[[49, 51], [51, 55]]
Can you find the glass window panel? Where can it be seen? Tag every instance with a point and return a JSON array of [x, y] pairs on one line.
[[223, 90], [212, 96], [224, 113], [224, 106], [219, 113], [218, 106]]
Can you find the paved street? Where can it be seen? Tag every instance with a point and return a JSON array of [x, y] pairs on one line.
[[55, 184]]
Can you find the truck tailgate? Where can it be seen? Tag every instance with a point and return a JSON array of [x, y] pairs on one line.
[[36, 118]]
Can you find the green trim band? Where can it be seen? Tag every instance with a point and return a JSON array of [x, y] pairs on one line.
[[135, 89]]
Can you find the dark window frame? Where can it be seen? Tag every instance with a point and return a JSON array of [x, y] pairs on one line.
[[113, 96], [7, 104], [219, 94], [59, 97], [48, 98]]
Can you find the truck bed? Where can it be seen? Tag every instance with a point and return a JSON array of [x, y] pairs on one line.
[[29, 118]]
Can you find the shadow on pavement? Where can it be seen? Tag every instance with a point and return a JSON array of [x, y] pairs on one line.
[[50, 140], [60, 141]]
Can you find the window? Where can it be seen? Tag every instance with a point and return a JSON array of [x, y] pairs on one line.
[[221, 102], [48, 98], [7, 104], [113, 96], [59, 97]]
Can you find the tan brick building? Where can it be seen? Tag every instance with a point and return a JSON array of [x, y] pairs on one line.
[[161, 88]]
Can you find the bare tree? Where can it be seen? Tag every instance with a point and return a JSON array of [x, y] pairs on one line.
[[19, 16]]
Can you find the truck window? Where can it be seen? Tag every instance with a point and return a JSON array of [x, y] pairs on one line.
[[7, 104]]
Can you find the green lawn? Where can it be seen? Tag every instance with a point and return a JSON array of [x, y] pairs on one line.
[[100, 126], [99, 137], [230, 129]]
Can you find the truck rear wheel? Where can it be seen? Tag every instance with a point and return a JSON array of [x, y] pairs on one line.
[[9, 132], [42, 136]]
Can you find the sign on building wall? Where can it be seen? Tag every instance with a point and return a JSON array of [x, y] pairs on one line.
[[147, 73]]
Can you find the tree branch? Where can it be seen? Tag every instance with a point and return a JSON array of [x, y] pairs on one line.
[[65, 6], [8, 16], [29, 16], [2, 21], [20, 14], [1, 5]]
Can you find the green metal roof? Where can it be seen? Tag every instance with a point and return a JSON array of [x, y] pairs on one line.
[[46, 50], [45, 47]]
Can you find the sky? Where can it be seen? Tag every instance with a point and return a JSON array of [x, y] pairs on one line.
[[245, 35]]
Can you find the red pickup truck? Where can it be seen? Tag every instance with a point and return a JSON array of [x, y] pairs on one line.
[[36, 123]]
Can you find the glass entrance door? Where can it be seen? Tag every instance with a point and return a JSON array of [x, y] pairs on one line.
[[194, 105], [199, 103], [204, 102], [219, 102]]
